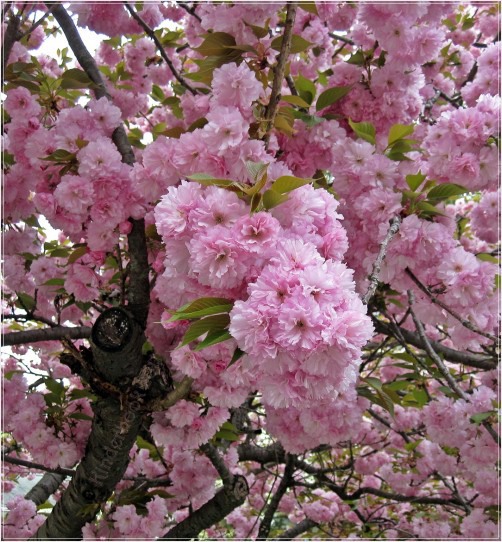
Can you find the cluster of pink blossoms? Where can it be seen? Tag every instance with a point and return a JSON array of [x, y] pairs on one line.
[[297, 316]]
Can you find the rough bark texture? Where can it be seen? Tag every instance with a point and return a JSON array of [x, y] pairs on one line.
[[226, 500], [113, 433], [45, 487]]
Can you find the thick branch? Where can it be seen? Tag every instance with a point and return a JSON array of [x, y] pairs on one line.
[[373, 278], [438, 302], [271, 454], [472, 360], [113, 433], [227, 499], [275, 95], [10, 37], [78, 47], [160, 48], [45, 487], [272, 506], [298, 529], [51, 334], [218, 463], [180, 391]]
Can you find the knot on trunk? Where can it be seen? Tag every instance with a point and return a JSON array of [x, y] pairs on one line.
[[117, 340]]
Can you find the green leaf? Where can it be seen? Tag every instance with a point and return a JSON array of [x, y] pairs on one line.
[[298, 44], [54, 282], [487, 257], [157, 93], [445, 191], [79, 416], [60, 155], [287, 183], [145, 445], [26, 301], [45, 506], [271, 199], [330, 96], [259, 31], [216, 309], [364, 130], [59, 252], [398, 131], [75, 78], [209, 324], [414, 181], [202, 304], [77, 253], [309, 7], [54, 386], [295, 100], [209, 180], [357, 58], [238, 353], [480, 417], [306, 88], [428, 208], [81, 394], [413, 445], [214, 338], [216, 44], [256, 169]]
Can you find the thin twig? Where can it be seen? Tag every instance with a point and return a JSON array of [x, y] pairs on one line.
[[343, 39], [189, 10], [279, 70], [442, 367], [160, 48], [38, 466], [455, 315], [291, 85], [36, 23], [373, 278], [432, 353], [477, 361], [286, 480]]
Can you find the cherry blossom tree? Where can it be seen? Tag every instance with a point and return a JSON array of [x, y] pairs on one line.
[[270, 307]]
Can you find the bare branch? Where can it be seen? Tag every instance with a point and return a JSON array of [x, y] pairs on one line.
[[10, 37], [227, 499], [442, 367], [182, 390], [190, 10], [343, 39], [36, 23], [160, 48], [45, 334], [37, 466], [286, 481], [212, 453], [455, 315], [297, 529], [45, 487], [373, 278], [478, 361], [275, 95]]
